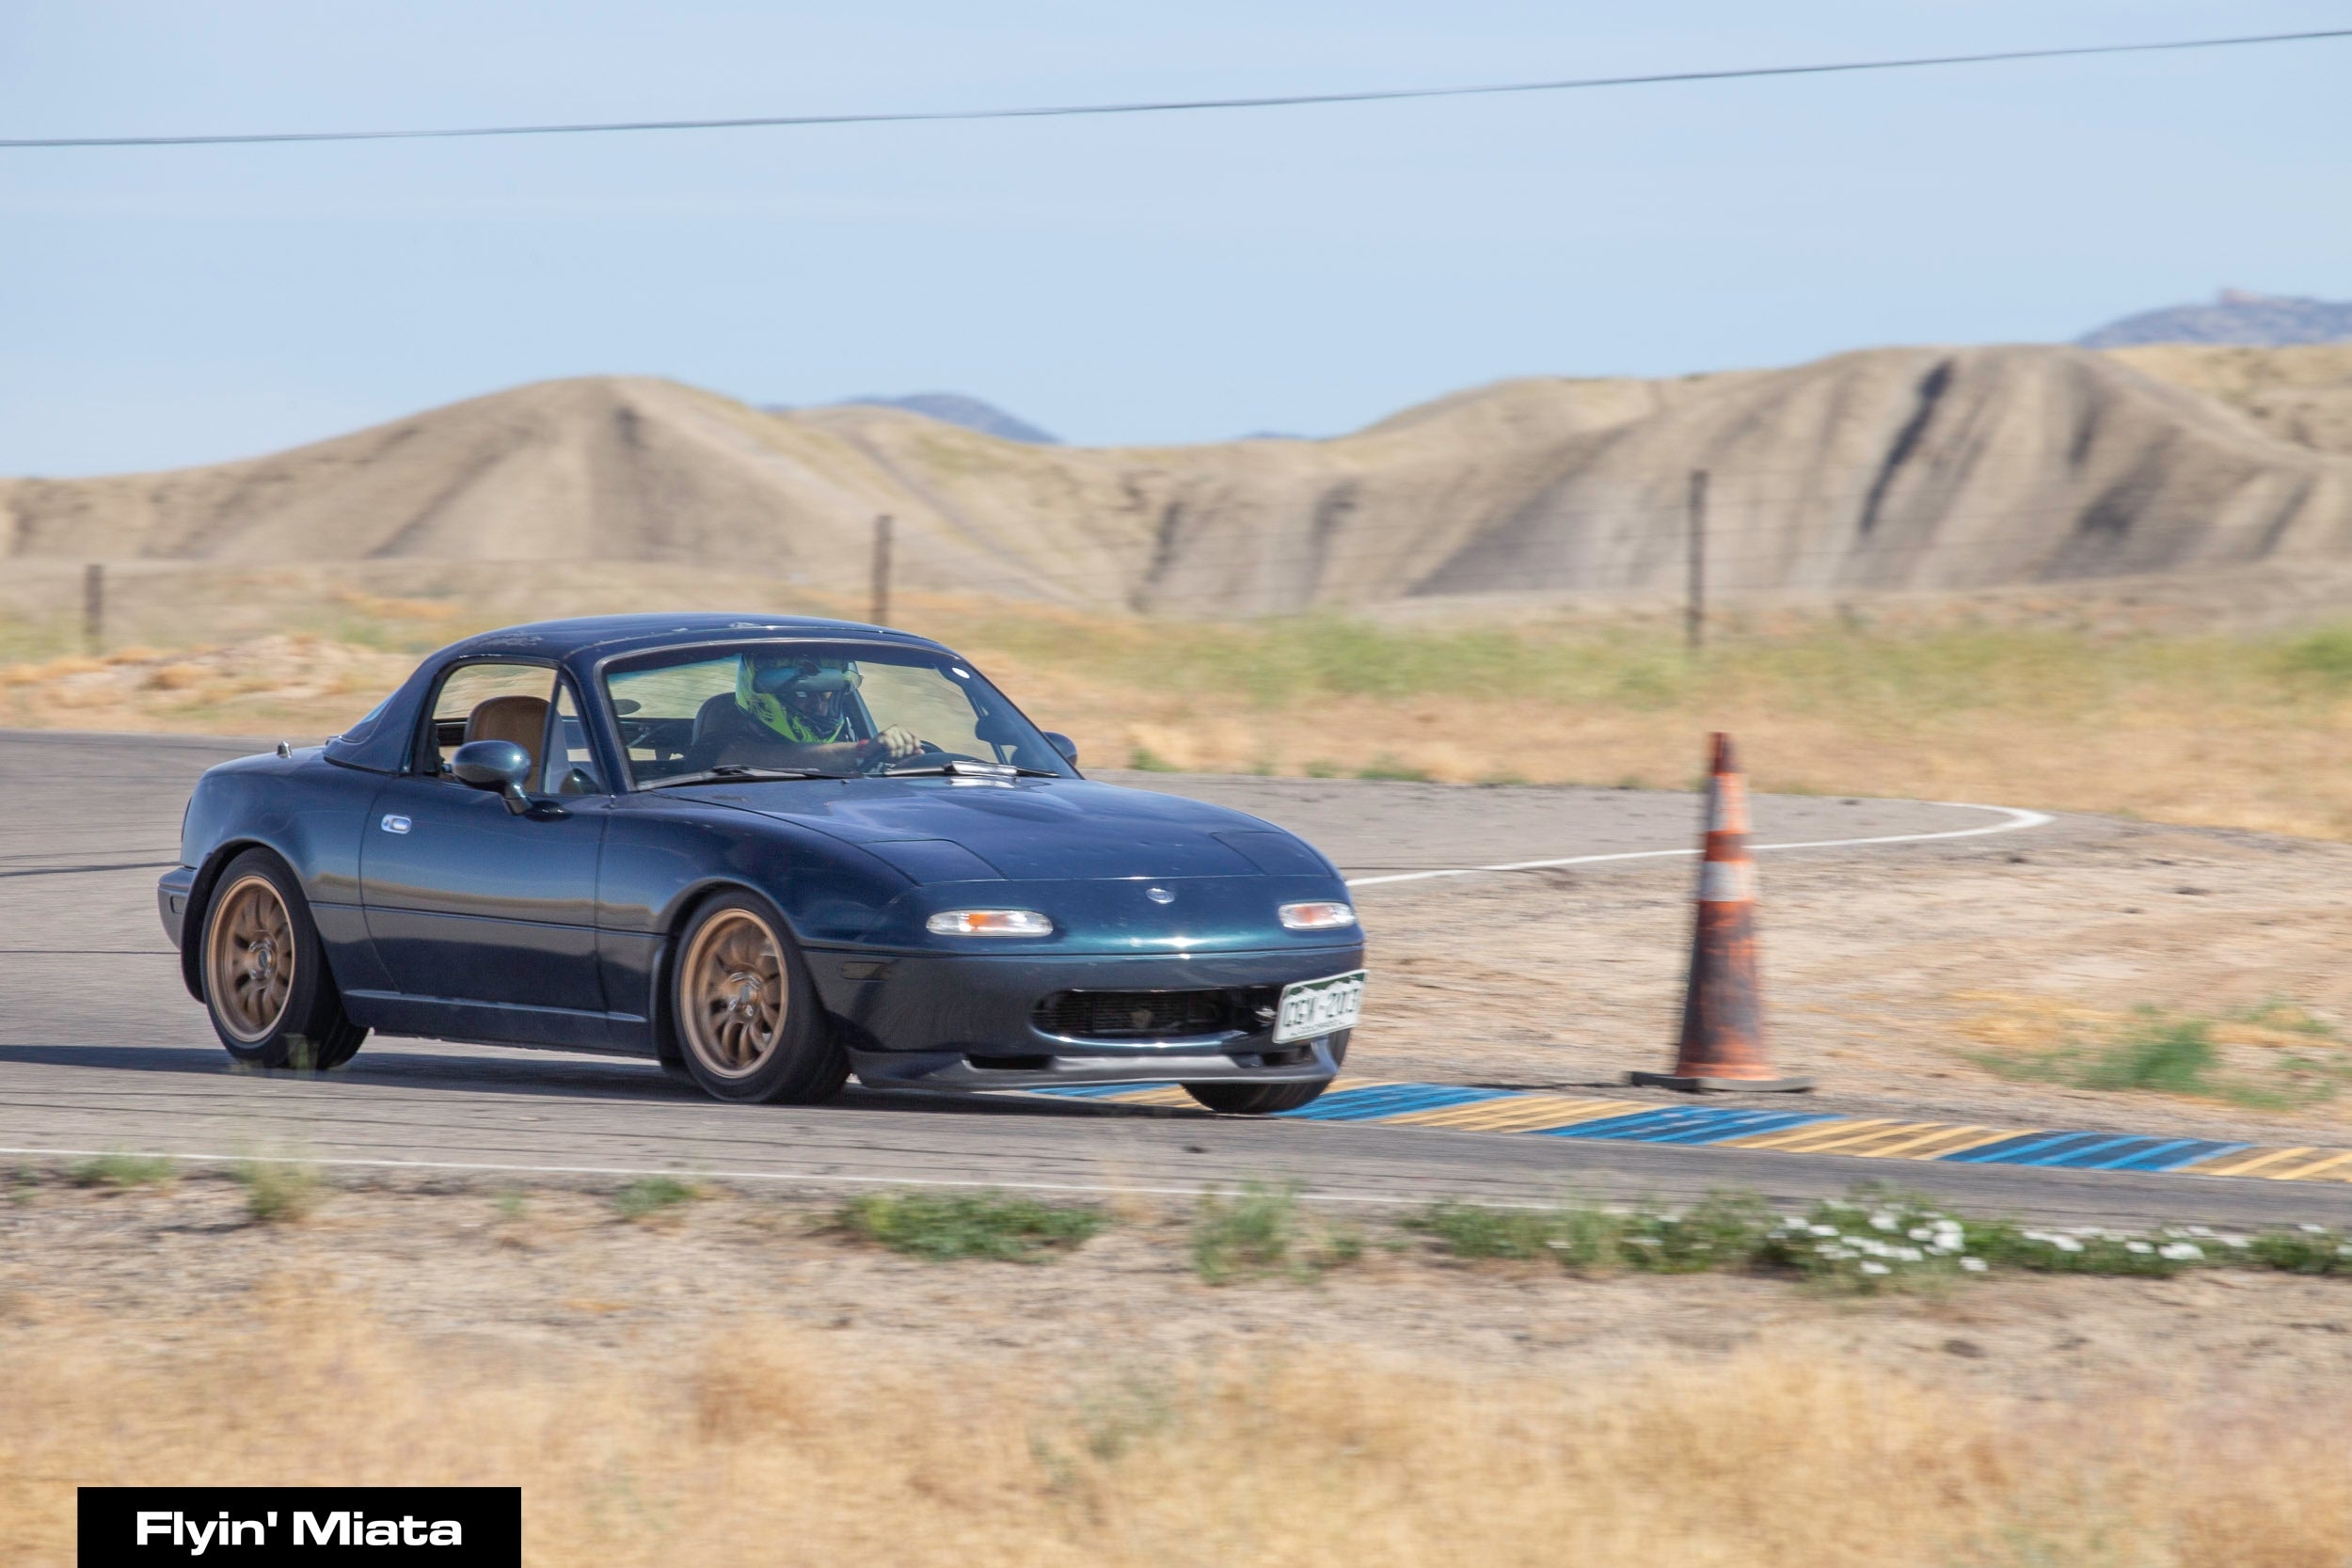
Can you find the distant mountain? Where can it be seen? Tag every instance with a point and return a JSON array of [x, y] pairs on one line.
[[1913, 469], [2264, 321], [970, 413]]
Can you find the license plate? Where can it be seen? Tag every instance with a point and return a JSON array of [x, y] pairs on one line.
[[1314, 1008]]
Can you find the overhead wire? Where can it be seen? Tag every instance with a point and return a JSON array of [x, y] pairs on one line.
[[1153, 107]]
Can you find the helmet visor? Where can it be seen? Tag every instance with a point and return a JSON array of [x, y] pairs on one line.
[[790, 674]]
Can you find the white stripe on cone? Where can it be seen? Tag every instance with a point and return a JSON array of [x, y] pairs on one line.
[[1727, 881]]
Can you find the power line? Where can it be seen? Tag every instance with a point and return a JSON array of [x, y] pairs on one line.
[[1287, 101]]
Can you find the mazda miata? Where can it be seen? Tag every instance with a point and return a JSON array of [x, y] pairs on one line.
[[768, 852]]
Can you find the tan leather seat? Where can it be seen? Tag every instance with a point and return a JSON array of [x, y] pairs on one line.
[[521, 720]]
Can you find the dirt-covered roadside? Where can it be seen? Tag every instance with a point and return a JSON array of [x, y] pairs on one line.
[[1886, 978], [511, 1272]]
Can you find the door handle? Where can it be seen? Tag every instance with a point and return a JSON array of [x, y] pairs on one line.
[[393, 823]]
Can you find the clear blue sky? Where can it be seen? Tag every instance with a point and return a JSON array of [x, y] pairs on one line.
[[1163, 278]]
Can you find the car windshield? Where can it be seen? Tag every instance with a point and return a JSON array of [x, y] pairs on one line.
[[813, 707]]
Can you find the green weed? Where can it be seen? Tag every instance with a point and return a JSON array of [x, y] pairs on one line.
[[2325, 655], [1144, 760], [1104, 1425], [2306, 1249], [652, 1194], [967, 1224], [1868, 1241], [1262, 1231], [278, 1191], [2173, 1057], [1386, 767], [124, 1170], [1576, 1237], [2165, 1053]]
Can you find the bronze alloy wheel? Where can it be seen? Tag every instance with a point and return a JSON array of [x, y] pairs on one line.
[[734, 994], [249, 970]]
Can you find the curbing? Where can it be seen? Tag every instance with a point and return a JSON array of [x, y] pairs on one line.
[[1453, 1107]]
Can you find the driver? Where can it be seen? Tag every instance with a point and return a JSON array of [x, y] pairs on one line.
[[807, 701]]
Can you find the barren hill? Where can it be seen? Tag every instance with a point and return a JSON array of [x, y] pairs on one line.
[[1911, 468]]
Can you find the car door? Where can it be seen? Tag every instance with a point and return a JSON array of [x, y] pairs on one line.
[[470, 903]]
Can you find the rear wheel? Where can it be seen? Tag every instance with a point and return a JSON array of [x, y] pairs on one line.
[[1264, 1099], [749, 1026], [267, 985]]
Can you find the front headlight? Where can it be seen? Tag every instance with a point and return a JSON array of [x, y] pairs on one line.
[[988, 923], [1323, 916]]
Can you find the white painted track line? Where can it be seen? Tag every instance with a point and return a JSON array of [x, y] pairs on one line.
[[2014, 820]]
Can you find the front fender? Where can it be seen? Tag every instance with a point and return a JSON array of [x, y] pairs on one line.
[[663, 856]]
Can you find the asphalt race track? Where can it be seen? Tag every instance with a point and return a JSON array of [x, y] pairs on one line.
[[100, 1049]]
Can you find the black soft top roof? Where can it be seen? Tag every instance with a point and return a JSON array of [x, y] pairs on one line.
[[380, 741]]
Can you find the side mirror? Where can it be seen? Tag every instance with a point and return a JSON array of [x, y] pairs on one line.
[[499, 765], [1062, 743]]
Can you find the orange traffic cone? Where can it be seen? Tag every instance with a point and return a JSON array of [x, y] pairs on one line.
[[1722, 1014]]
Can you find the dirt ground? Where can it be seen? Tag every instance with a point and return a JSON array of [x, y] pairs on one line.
[[509, 1276], [728, 1386], [1883, 985]]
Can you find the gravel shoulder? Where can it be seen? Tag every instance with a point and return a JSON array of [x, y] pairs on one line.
[[508, 1274]]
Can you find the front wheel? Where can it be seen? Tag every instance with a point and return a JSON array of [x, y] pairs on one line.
[[1255, 1099], [267, 985], [749, 1025]]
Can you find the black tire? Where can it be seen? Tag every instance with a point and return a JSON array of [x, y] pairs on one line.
[[1264, 1099], [1255, 1099], [257, 924], [744, 1014]]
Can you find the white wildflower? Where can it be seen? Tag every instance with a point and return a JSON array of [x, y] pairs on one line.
[[2181, 1252], [1873, 1268], [2066, 1243], [1823, 1229], [1974, 1265], [1919, 1233], [1883, 1220], [2313, 1229], [2137, 1246]]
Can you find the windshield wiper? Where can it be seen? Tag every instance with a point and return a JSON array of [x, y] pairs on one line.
[[970, 769], [735, 773]]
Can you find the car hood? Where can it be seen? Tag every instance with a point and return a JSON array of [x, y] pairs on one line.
[[1027, 829]]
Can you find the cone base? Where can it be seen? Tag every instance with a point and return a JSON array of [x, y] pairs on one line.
[[1719, 1085]]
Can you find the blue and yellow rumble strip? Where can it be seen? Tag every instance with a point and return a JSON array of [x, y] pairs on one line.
[[1559, 1116]]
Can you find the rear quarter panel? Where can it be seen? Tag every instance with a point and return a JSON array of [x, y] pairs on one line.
[[309, 813]]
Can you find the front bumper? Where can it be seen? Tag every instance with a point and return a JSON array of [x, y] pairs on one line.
[[970, 1020], [935, 1069]]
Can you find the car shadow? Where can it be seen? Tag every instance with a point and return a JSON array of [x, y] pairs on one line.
[[533, 1075]]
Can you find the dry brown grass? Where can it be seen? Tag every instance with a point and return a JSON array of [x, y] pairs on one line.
[[784, 1451], [2209, 730]]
